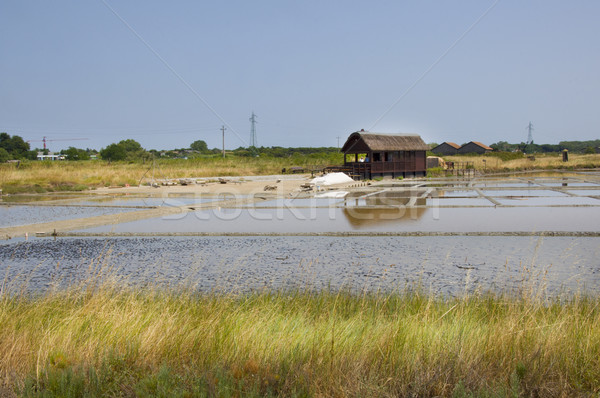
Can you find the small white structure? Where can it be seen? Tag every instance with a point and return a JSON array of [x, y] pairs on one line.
[[331, 179], [50, 156]]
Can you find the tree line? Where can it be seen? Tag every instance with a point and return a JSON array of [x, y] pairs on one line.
[[592, 146], [14, 147]]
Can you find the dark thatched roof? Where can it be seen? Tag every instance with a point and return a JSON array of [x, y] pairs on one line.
[[361, 140]]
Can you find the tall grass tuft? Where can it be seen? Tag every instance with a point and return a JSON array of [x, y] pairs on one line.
[[100, 338]]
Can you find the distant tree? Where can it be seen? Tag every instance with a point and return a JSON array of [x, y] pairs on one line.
[[114, 152], [199, 146], [15, 146], [503, 146], [578, 146], [4, 155], [131, 146], [76, 154], [4, 140], [124, 150], [549, 148], [590, 150]]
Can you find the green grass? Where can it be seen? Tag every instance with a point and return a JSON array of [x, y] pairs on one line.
[[103, 340], [435, 172]]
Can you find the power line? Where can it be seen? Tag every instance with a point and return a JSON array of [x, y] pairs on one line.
[[253, 141], [530, 134], [223, 131], [165, 63], [108, 131]]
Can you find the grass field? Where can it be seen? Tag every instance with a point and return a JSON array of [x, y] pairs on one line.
[[491, 164], [47, 176], [101, 340]]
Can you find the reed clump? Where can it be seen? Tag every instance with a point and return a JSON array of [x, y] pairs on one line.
[[103, 340]]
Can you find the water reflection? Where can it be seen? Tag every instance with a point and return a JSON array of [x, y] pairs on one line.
[[367, 210]]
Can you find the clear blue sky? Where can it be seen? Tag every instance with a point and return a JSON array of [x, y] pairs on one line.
[[312, 71]]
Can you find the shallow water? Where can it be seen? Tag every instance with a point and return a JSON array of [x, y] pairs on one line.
[[586, 192], [569, 184], [516, 185], [38, 198], [290, 220], [457, 192], [443, 265], [550, 201], [11, 216], [522, 192], [148, 202]]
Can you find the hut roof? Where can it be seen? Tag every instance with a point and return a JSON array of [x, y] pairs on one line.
[[452, 144], [482, 145], [386, 142]]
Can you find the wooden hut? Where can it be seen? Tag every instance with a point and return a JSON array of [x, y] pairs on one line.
[[446, 148], [369, 155], [474, 147]]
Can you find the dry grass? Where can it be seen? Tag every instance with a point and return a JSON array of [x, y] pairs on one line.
[[542, 161], [52, 176], [103, 340], [56, 176]]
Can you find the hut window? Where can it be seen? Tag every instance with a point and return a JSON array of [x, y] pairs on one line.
[[376, 156]]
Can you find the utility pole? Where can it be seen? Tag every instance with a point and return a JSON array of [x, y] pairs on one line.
[[338, 137], [530, 135], [223, 131], [253, 142]]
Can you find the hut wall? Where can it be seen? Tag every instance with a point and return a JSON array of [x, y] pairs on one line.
[[388, 155], [445, 149]]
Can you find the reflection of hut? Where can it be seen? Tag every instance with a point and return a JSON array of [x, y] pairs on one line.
[[367, 210], [446, 148], [368, 155]]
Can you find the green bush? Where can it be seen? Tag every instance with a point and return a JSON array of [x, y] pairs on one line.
[[435, 172], [4, 155]]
